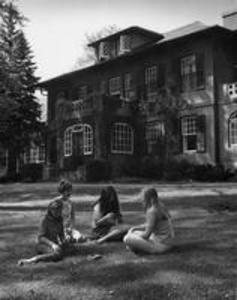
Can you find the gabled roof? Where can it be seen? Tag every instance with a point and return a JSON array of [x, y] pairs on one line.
[[133, 29]]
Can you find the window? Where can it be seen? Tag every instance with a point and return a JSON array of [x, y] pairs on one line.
[[78, 139], [154, 131], [189, 133], [82, 93], [68, 142], [35, 154], [232, 90], [125, 43], [88, 139], [233, 129], [122, 139], [104, 50], [129, 92], [77, 108], [115, 86], [151, 79], [192, 72]]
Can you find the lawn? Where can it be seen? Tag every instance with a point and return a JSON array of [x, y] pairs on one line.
[[202, 264]]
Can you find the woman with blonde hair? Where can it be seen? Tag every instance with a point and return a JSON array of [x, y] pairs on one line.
[[153, 237]]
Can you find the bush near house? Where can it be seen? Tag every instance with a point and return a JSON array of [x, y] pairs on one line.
[[172, 170], [97, 170], [31, 172]]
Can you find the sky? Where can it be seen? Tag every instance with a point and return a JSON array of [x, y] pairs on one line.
[[56, 28]]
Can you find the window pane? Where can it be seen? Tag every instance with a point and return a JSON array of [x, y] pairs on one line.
[[122, 138]]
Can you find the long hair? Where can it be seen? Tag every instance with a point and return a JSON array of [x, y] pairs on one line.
[[150, 198], [109, 202], [54, 211]]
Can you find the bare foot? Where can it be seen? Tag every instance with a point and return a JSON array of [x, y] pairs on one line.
[[94, 257], [23, 262]]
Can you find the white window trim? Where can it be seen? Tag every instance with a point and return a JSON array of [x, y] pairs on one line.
[[67, 142], [102, 52], [34, 155], [77, 128], [112, 81], [132, 139], [122, 44], [88, 141], [185, 135], [232, 118]]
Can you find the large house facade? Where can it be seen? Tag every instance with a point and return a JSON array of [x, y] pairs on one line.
[[109, 110]]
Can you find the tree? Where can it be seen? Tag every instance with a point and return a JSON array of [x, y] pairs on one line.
[[88, 57], [19, 109], [168, 105]]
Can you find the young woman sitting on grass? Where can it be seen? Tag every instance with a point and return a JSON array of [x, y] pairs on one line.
[[155, 235], [56, 231], [107, 219]]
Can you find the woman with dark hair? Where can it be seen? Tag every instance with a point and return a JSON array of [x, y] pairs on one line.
[[155, 235], [107, 219]]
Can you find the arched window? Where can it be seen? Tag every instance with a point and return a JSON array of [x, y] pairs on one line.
[[78, 139], [122, 138], [233, 129], [87, 139]]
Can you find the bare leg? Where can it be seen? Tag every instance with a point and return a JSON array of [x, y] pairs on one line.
[[116, 234], [46, 255], [138, 244]]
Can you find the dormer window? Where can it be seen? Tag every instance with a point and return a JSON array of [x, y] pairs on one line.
[[124, 44], [115, 86], [104, 50]]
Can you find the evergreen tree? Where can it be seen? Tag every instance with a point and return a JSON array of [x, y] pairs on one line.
[[19, 111]]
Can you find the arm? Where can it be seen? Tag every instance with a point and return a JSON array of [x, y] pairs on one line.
[[54, 246], [138, 227], [73, 217], [107, 219], [151, 217], [43, 239]]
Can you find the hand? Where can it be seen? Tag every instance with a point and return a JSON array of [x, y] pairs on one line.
[[55, 248]]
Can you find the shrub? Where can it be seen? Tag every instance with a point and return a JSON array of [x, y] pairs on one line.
[[32, 172], [71, 163], [97, 170], [151, 167], [210, 173], [178, 169], [130, 168]]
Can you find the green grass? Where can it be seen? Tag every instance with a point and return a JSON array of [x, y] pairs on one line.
[[202, 264]]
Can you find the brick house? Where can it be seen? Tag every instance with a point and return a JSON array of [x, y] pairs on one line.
[[133, 66]]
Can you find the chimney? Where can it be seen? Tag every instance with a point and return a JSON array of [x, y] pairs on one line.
[[230, 19]]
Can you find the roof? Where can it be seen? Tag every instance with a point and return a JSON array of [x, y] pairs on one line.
[[173, 35], [132, 29], [184, 30]]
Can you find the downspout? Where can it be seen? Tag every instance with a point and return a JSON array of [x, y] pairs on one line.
[[216, 109]]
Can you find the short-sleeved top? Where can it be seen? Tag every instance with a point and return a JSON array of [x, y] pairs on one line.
[[163, 228], [51, 229]]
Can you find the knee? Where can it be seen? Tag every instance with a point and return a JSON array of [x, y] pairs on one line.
[[57, 255], [128, 238]]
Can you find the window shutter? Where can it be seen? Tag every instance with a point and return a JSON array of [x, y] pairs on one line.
[[200, 70], [178, 143], [161, 75], [201, 133]]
